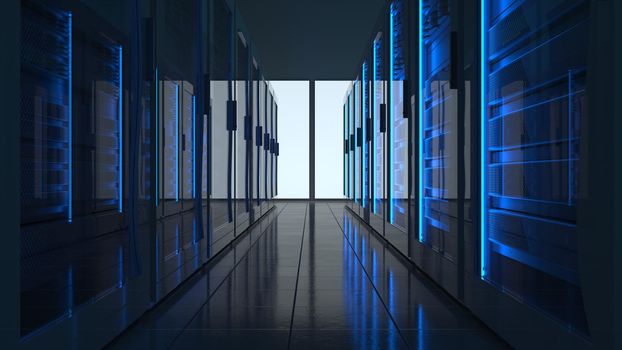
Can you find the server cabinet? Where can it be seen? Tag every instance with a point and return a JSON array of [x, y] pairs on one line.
[[222, 210], [358, 143], [273, 147], [262, 166], [438, 131], [76, 236], [534, 60], [377, 133], [276, 148], [187, 131], [177, 244], [242, 142], [344, 160], [170, 154], [349, 129], [397, 157], [267, 141], [258, 139], [365, 140]]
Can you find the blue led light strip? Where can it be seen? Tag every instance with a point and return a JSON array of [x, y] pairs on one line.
[[157, 138], [194, 156], [177, 142], [364, 181], [70, 115], [356, 168], [375, 125], [483, 198], [421, 107], [390, 121], [570, 115], [120, 129]]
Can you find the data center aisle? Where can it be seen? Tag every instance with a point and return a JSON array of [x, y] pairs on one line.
[[309, 276]]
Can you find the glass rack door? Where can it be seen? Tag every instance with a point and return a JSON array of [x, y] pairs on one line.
[[378, 132], [397, 118], [257, 138], [242, 165], [438, 132], [222, 117], [534, 59]]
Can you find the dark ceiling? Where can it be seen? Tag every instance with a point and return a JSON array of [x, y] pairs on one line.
[[310, 39]]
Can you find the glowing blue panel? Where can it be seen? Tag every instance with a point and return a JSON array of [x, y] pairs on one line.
[[374, 129], [357, 149], [157, 137], [194, 155], [120, 129], [390, 112], [420, 138], [483, 59], [364, 148], [70, 115], [177, 142]]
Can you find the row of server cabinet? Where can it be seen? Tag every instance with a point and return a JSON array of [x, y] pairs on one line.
[[467, 137], [148, 143]]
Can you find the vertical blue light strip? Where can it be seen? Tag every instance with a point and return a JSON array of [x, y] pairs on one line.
[[421, 116], [70, 115], [375, 124], [364, 80], [356, 168], [194, 155], [570, 115], [157, 138], [120, 129], [177, 142], [390, 121], [483, 82]]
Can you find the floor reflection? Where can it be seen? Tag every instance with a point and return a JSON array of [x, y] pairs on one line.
[[310, 276]]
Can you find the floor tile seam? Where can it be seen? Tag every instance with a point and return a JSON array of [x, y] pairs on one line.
[[170, 345], [302, 240], [382, 301]]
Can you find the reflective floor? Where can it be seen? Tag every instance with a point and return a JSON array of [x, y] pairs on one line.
[[309, 276]]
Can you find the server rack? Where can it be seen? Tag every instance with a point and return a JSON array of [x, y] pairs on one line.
[[276, 150], [344, 157], [242, 158], [377, 132], [365, 140], [352, 145], [438, 168], [178, 221], [261, 165], [272, 144], [358, 140], [505, 210], [268, 144], [114, 128], [534, 96], [73, 161], [258, 135], [222, 121], [397, 157]]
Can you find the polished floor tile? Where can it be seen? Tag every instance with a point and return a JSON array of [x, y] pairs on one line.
[[311, 277]]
